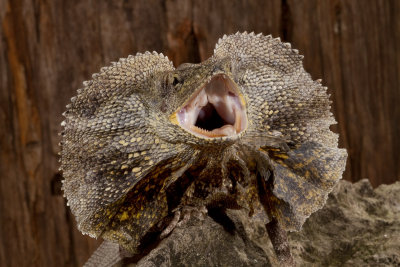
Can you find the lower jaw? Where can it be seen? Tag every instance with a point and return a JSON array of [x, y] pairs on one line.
[[224, 131]]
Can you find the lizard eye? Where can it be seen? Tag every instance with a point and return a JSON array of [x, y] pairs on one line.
[[176, 81]]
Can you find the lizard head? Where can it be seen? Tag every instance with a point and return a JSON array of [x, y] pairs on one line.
[[203, 101], [214, 107]]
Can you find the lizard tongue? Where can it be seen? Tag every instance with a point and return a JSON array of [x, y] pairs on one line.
[[225, 130]]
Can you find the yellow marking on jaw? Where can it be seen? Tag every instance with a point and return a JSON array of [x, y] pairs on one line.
[[242, 101], [174, 118]]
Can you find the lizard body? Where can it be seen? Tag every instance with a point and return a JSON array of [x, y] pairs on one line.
[[248, 128]]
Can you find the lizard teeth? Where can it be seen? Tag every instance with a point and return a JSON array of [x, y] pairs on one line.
[[226, 130]]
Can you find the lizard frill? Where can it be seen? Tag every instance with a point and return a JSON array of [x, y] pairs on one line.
[[250, 119]]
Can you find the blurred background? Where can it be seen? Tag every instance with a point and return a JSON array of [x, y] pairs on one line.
[[48, 48]]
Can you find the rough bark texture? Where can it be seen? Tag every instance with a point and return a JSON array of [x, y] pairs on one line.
[[358, 226], [47, 48]]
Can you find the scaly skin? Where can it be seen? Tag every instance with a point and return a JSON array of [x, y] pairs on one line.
[[128, 164]]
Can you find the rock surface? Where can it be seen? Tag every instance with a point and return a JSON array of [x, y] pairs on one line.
[[359, 226]]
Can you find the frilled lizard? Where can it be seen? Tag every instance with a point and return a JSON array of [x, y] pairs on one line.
[[248, 128]]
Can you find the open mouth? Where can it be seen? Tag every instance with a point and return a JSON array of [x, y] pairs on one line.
[[217, 109]]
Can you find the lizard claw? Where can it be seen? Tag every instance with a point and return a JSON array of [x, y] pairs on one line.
[[182, 216], [171, 226]]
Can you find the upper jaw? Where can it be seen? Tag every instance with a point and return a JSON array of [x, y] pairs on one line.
[[216, 109]]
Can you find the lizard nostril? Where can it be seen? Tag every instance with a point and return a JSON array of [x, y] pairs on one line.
[[163, 107]]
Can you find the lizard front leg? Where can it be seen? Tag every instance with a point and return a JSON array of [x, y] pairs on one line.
[[280, 242], [276, 233]]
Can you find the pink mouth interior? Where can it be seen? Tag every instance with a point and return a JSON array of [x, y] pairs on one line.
[[215, 110]]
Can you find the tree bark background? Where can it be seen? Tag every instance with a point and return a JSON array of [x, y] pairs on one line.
[[47, 48]]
